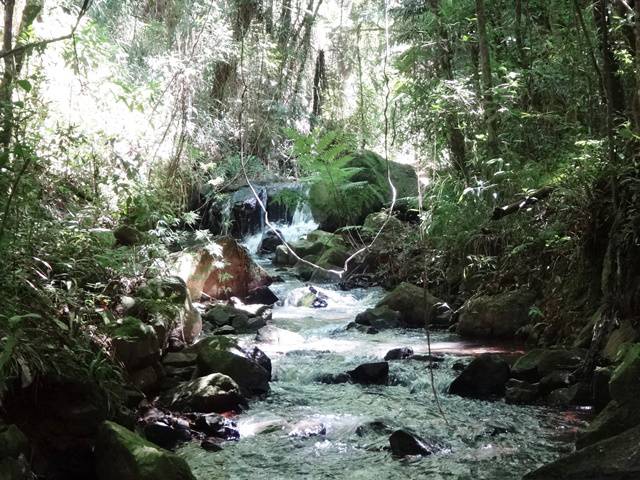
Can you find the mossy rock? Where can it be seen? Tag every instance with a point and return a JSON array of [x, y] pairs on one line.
[[409, 300], [135, 343], [126, 235], [221, 354], [496, 316], [614, 458], [124, 455], [13, 442], [540, 362], [625, 381], [366, 190], [211, 393], [611, 421]]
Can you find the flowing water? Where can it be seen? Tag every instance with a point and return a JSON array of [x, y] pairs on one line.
[[480, 440]]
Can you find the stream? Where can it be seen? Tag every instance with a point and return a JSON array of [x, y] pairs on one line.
[[480, 439]]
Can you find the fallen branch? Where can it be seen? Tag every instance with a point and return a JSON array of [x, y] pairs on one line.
[[527, 201]]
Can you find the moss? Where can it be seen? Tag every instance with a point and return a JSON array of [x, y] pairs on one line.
[[124, 455]]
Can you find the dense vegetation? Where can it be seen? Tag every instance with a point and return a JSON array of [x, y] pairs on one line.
[[521, 119]]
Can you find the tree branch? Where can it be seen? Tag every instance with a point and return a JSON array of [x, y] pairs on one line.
[[43, 43]]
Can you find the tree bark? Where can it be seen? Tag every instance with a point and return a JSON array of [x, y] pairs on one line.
[[6, 86], [487, 81], [319, 86]]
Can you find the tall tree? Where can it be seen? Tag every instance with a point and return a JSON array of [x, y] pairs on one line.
[[491, 118]]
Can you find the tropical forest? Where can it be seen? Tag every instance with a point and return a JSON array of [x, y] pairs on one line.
[[320, 239]]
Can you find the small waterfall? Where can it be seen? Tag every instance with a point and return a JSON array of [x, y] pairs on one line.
[[301, 224]]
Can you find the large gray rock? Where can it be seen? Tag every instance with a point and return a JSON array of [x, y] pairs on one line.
[[403, 443], [223, 355], [414, 305], [123, 455], [212, 393], [496, 316], [617, 458]]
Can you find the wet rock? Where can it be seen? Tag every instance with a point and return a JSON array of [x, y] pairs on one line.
[[223, 355], [276, 336], [308, 428], [403, 443], [260, 358], [539, 363], [485, 377], [179, 359], [377, 427], [165, 435], [616, 458], [554, 381], [423, 357], [600, 387], [122, 455], [225, 330], [211, 444], [370, 374], [379, 318], [521, 393], [623, 411], [409, 300], [333, 378], [261, 295], [146, 378], [283, 257], [496, 316], [227, 315], [362, 328], [212, 393], [270, 241], [211, 425], [458, 366], [578, 394], [399, 353]]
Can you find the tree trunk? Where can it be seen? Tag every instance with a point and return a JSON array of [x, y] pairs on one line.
[[319, 86], [6, 86], [636, 100], [487, 81]]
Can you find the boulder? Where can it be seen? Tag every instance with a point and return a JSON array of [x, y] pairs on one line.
[[403, 443], [624, 409], [555, 380], [123, 455], [370, 373], [484, 377], [13, 443], [134, 343], [619, 339], [240, 320], [379, 318], [577, 394], [269, 241], [221, 270], [261, 295], [283, 257], [616, 458], [375, 221], [223, 355], [212, 393], [521, 393], [368, 187], [414, 305], [496, 316], [540, 362], [624, 385], [399, 353]]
